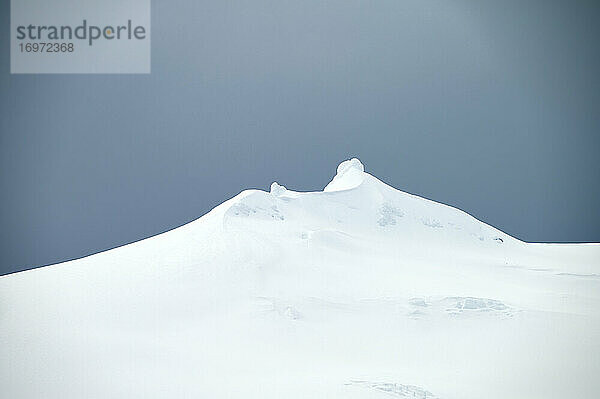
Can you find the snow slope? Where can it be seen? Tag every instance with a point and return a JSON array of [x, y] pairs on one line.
[[358, 291]]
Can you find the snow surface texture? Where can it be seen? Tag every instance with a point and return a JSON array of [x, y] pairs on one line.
[[359, 291]]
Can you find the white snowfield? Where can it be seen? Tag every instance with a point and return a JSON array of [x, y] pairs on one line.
[[358, 291]]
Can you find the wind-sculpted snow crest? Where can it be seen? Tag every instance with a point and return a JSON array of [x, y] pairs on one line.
[[357, 291], [359, 205], [350, 174]]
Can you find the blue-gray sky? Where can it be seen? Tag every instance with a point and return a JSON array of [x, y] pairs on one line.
[[490, 106]]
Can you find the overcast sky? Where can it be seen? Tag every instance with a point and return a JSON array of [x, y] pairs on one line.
[[490, 106]]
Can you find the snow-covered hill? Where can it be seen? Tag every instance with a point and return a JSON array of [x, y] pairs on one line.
[[358, 291]]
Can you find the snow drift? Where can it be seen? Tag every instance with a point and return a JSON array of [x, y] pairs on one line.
[[358, 291]]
